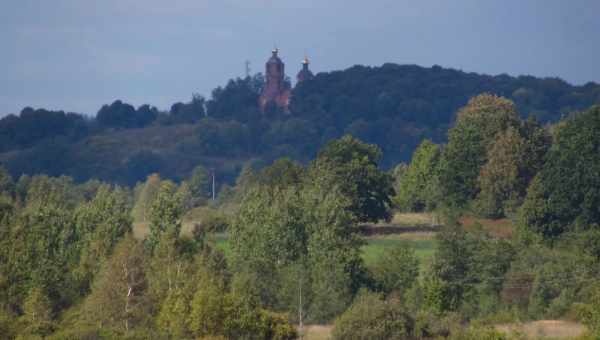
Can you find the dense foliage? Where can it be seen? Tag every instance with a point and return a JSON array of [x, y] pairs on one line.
[[392, 106]]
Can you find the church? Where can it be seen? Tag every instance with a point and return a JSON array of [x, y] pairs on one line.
[[277, 90]]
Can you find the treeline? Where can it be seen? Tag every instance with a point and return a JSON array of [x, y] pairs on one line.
[[545, 180], [393, 106], [71, 267]]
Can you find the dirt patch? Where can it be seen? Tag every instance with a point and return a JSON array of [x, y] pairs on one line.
[[317, 332], [557, 329], [501, 228]]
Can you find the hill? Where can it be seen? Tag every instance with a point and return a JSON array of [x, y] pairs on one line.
[[393, 106]]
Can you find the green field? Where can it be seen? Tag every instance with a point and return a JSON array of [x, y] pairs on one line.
[[423, 244]]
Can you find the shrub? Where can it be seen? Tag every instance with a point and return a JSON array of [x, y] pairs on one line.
[[372, 317]]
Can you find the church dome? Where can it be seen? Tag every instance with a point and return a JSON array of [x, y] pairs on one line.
[[305, 73], [275, 58]]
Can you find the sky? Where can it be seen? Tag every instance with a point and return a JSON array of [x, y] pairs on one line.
[[76, 55]]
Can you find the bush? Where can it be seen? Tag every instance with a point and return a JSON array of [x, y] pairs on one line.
[[396, 270], [372, 317]]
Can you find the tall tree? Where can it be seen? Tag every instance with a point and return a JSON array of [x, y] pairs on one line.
[[101, 223], [477, 125], [118, 300], [566, 192], [416, 185], [352, 166]]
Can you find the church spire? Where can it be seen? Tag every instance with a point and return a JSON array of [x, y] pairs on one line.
[[305, 73]]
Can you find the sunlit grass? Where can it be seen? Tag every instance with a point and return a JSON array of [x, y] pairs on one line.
[[424, 247]]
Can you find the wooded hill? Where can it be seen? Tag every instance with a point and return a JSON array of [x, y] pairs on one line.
[[393, 106]]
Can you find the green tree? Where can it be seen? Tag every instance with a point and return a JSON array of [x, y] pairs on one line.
[[397, 269], [566, 192], [477, 125], [502, 179], [372, 317], [7, 184], [199, 185], [282, 173], [589, 312], [165, 214], [208, 306], [118, 299], [101, 223], [174, 311], [352, 166], [417, 184], [37, 313], [146, 195]]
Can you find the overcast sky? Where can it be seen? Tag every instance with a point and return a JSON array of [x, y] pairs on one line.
[[76, 55]]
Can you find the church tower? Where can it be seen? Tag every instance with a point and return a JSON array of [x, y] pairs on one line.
[[277, 89], [305, 73]]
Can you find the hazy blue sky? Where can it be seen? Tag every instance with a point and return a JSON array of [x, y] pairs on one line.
[[76, 55]]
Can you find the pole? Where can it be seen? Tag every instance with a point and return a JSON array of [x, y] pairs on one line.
[[213, 184]]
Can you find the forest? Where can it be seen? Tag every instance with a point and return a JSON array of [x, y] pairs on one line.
[[512, 189], [392, 106]]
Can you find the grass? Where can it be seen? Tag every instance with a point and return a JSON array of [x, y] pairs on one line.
[[413, 219], [554, 329], [422, 243]]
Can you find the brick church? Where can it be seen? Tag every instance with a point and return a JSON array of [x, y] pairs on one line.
[[277, 90]]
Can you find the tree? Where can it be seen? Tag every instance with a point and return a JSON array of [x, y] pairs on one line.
[[118, 300], [199, 185], [502, 179], [145, 197], [416, 185], [37, 313], [372, 317], [476, 128], [208, 306], [396, 269], [282, 173], [590, 312], [101, 223], [165, 215], [173, 314], [566, 192], [352, 166]]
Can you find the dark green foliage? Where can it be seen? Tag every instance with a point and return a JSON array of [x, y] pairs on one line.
[[352, 166], [123, 115], [372, 317], [566, 193], [186, 113], [238, 99], [37, 126], [393, 106]]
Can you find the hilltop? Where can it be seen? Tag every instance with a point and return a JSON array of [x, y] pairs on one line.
[[393, 106]]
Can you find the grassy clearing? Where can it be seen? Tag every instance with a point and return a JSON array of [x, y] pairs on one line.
[[422, 243], [414, 219], [543, 329]]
